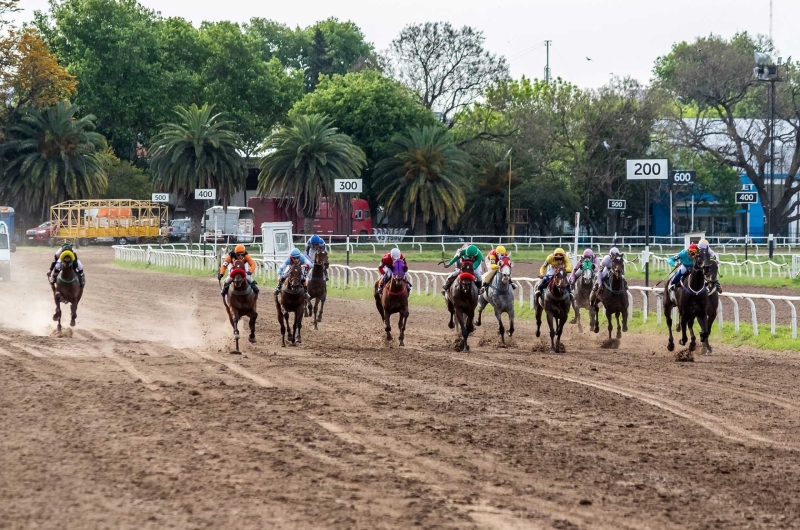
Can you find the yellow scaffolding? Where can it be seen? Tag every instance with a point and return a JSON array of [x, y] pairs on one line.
[[109, 218]]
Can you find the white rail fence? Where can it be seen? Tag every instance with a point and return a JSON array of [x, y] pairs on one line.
[[429, 283]]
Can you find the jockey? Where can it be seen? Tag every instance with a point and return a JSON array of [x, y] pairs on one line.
[[605, 267], [294, 258], [385, 267], [238, 253], [468, 253], [493, 260], [313, 245], [588, 255], [55, 267], [558, 258], [703, 244], [686, 260]]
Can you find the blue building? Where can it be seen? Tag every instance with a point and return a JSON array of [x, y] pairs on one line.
[[708, 216]]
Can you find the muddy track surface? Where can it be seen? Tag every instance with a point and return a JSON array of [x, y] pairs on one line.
[[142, 419]]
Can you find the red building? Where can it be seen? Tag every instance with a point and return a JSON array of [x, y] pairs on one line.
[[330, 220]]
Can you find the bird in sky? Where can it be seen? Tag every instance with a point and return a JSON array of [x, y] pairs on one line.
[[588, 58]]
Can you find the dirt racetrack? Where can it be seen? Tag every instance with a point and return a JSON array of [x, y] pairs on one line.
[[142, 419]]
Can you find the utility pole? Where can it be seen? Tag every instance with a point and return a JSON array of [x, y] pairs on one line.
[[547, 65]]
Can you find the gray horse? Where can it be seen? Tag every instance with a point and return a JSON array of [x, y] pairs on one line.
[[582, 288], [500, 294]]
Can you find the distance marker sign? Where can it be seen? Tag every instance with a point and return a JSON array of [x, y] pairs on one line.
[[649, 169], [683, 176], [347, 185], [617, 204], [746, 197]]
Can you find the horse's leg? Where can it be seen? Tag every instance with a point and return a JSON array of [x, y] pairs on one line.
[[549, 316], [610, 318], [387, 324], [538, 319], [289, 328], [693, 342], [619, 328], [452, 310], [499, 316], [668, 316], [402, 324], [702, 321], [560, 322], [73, 313], [322, 305], [236, 324], [253, 317], [625, 318], [298, 324], [682, 322], [379, 302], [511, 321], [280, 321], [596, 311], [577, 318], [57, 300], [466, 328], [314, 313], [481, 306]]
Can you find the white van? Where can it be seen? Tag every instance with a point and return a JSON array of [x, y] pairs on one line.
[[232, 225], [5, 252], [277, 240]]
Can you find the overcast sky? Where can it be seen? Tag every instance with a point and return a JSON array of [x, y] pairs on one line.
[[622, 37]]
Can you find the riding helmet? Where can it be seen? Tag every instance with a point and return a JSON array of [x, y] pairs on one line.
[[395, 253], [239, 249], [501, 249]]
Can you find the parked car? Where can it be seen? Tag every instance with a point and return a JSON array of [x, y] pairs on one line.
[[41, 234], [179, 229]]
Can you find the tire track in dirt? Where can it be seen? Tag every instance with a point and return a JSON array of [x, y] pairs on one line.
[[707, 421]]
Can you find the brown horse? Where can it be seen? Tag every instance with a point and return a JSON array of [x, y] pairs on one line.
[[67, 290], [241, 302], [462, 299], [393, 300], [291, 299], [613, 294], [318, 286], [556, 303]]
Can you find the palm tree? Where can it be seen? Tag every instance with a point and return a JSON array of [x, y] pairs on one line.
[[425, 176], [51, 157], [487, 201], [303, 160], [197, 151]]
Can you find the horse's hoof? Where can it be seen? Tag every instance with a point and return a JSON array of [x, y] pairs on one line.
[[538, 333], [682, 342], [319, 318], [552, 351], [252, 339], [597, 329], [573, 321], [72, 323], [451, 325], [670, 346], [478, 323], [619, 334], [402, 343], [235, 335], [692, 346]]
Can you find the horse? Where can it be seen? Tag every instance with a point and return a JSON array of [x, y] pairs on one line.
[[291, 299], [501, 296], [462, 299], [67, 290], [555, 302], [582, 291], [711, 272], [393, 300], [692, 301], [318, 286], [613, 294], [241, 302]]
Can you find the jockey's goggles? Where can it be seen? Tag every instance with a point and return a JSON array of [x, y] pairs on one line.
[[240, 255]]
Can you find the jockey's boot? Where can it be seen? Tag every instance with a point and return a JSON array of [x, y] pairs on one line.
[[448, 283], [305, 290], [81, 278], [278, 288], [514, 286], [254, 287], [225, 287], [380, 287], [718, 286], [478, 283], [53, 276]]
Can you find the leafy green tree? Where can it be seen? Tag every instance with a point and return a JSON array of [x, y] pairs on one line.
[[52, 156], [487, 200], [303, 159], [254, 94], [368, 107], [125, 180], [199, 150], [712, 80], [424, 177], [112, 47]]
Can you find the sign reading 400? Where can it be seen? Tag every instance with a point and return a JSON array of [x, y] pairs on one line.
[[209, 194]]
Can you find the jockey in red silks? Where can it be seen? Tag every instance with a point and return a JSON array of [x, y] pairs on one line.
[[385, 267]]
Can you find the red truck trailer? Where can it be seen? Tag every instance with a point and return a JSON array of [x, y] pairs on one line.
[[330, 220]]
